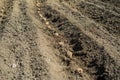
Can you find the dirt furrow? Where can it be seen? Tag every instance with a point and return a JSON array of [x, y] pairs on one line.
[[108, 6], [18, 39], [91, 29], [112, 2], [78, 41], [5, 12], [101, 15], [59, 40]]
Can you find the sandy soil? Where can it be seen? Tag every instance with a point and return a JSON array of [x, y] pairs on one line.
[[60, 40]]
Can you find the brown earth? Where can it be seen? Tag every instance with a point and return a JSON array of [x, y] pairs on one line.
[[60, 40]]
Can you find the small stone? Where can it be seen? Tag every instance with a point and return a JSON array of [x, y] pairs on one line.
[[49, 27], [70, 54], [56, 34], [47, 23], [44, 19], [14, 65], [38, 4], [39, 9], [61, 43], [79, 70], [41, 15]]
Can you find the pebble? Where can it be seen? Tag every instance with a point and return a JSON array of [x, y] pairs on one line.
[[79, 70], [38, 4], [61, 43], [44, 19], [70, 54], [47, 23], [56, 34], [41, 15], [14, 65], [49, 27]]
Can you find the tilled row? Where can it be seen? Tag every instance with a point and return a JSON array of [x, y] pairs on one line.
[[112, 2], [105, 17], [37, 64], [94, 57], [20, 50], [61, 44], [5, 12], [110, 20], [105, 5]]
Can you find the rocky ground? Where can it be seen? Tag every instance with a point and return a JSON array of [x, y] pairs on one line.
[[60, 40]]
